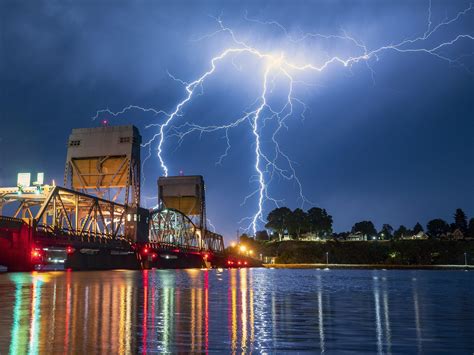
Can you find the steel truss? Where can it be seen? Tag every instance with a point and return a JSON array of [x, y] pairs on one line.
[[213, 242], [63, 213], [170, 227], [72, 217]]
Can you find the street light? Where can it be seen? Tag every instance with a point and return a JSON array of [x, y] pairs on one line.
[[243, 248], [327, 258], [232, 244]]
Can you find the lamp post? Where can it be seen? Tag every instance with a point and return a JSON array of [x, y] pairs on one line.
[[327, 258], [465, 259]]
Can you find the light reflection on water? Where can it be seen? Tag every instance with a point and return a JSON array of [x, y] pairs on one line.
[[248, 310]]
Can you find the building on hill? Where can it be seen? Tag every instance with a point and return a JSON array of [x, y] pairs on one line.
[[311, 237], [357, 236], [417, 236], [457, 235]]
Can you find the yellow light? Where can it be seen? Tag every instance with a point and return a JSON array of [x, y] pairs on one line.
[[250, 251], [232, 244], [243, 248]]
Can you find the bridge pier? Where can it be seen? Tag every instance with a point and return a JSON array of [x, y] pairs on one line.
[[101, 259], [172, 260], [17, 250]]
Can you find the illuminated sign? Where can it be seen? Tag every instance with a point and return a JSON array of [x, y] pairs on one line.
[[23, 179], [39, 179]]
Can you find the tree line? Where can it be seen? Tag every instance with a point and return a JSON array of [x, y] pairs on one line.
[[298, 222], [435, 228], [318, 222]]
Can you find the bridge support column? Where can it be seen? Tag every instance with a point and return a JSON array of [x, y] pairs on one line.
[[17, 248], [101, 259]]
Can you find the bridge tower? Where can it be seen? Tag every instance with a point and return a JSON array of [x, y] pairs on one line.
[[105, 161], [185, 194]]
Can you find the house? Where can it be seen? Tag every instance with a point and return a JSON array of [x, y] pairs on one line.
[[456, 235], [358, 236], [418, 236], [310, 237]]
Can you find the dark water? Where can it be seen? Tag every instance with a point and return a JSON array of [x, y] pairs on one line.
[[255, 310]]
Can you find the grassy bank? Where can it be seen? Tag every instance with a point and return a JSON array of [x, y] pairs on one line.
[[368, 266], [383, 253]]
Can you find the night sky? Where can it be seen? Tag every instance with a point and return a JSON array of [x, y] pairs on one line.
[[398, 150]]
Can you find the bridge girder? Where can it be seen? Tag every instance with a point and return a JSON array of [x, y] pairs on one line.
[[64, 217], [59, 211], [172, 227]]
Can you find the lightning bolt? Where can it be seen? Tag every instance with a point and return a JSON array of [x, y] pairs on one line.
[[267, 163]]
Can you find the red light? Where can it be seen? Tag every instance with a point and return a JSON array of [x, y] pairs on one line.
[[145, 251], [245, 263], [35, 253], [239, 263], [229, 262], [153, 255], [206, 256], [69, 250]]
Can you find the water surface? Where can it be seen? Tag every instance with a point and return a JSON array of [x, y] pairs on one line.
[[248, 310]]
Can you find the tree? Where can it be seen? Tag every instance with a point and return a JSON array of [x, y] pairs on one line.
[[460, 220], [277, 220], [453, 227], [244, 238], [437, 227], [297, 223], [319, 221], [400, 232], [470, 228], [386, 232], [262, 235], [417, 228], [365, 227]]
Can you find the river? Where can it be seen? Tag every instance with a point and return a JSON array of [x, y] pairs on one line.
[[247, 310]]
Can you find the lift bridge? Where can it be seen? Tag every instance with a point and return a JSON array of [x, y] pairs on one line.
[[96, 222]]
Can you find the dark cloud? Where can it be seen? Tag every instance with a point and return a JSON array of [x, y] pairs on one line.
[[397, 152]]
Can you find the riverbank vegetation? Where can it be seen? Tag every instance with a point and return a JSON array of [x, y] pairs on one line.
[[307, 237], [317, 224]]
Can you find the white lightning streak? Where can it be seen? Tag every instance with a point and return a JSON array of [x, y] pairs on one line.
[[260, 112], [258, 152]]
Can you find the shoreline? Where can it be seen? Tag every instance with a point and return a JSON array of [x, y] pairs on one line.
[[369, 266]]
